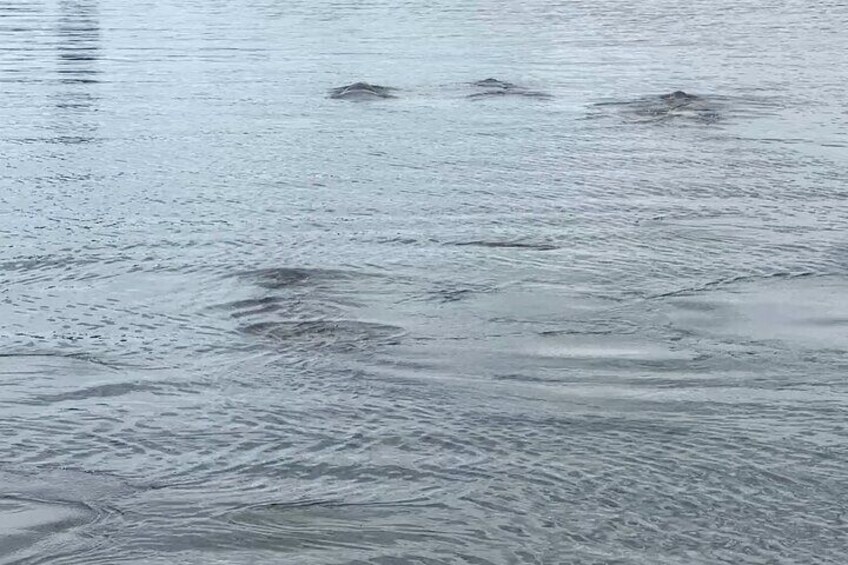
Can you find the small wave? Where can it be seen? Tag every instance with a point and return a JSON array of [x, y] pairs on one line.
[[63, 485], [784, 312], [729, 281], [27, 524], [506, 244], [108, 390], [48, 362], [275, 278], [452, 294], [363, 528], [455, 292], [327, 334]]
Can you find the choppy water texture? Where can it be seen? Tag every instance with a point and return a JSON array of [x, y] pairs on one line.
[[557, 317]]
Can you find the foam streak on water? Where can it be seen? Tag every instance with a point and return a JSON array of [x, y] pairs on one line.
[[531, 306]]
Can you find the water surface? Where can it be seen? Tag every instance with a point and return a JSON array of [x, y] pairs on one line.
[[558, 322]]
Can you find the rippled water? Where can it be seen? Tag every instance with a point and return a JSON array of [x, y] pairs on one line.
[[559, 320]]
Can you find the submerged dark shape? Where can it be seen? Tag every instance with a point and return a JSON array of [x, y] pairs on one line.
[[495, 87], [361, 91]]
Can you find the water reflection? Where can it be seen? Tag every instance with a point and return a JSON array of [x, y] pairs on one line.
[[19, 31], [78, 42], [78, 53]]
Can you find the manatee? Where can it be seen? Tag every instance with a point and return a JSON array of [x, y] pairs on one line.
[[493, 83], [679, 95], [362, 91], [673, 105], [679, 98], [492, 87]]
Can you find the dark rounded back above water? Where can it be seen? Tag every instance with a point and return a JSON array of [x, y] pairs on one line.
[[361, 91]]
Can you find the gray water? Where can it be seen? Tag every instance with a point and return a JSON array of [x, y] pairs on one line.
[[244, 322]]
